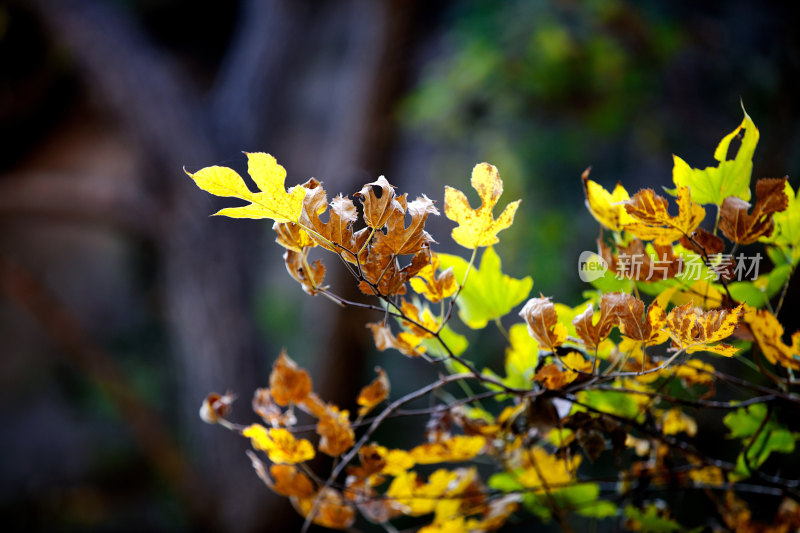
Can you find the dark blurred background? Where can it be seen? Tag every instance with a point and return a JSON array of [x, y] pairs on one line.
[[122, 304]]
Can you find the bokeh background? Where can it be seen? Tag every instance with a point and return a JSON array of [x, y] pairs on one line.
[[122, 304]]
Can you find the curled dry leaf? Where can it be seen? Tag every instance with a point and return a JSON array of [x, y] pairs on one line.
[[377, 210], [265, 407], [288, 383], [271, 202], [289, 481], [374, 393], [653, 221], [478, 227], [336, 434], [309, 278], [337, 233], [386, 276], [746, 228], [292, 237], [331, 510], [634, 323], [434, 288], [606, 207], [399, 240], [216, 407], [405, 342], [540, 315], [703, 243]]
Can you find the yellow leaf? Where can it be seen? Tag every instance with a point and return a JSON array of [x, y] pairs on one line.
[[477, 227], [279, 444], [695, 330], [768, 332], [606, 206], [271, 202], [434, 288], [374, 393], [457, 448], [653, 221], [540, 468], [675, 421]]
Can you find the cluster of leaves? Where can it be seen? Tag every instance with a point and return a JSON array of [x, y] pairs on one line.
[[622, 377]]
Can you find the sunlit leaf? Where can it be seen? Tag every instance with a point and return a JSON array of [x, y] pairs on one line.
[[271, 202], [488, 293], [478, 227], [730, 178]]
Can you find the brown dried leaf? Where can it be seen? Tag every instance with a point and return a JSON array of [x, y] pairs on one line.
[[543, 325], [336, 434], [383, 272], [399, 240], [338, 230], [745, 228], [374, 393], [654, 221], [406, 343], [296, 265], [288, 383], [377, 210], [703, 241], [695, 330]]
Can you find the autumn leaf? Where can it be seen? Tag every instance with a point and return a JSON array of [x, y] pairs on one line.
[[676, 421], [399, 240], [606, 207], [329, 508], [279, 444], [289, 481], [653, 221], [768, 332], [540, 315], [309, 276], [540, 468], [288, 383], [265, 407], [292, 236], [336, 434], [405, 342], [383, 273], [593, 327], [634, 323], [338, 230], [215, 407], [374, 393], [377, 210], [477, 227], [455, 449], [746, 228], [730, 178], [271, 202], [787, 227], [434, 288], [488, 293], [696, 331]]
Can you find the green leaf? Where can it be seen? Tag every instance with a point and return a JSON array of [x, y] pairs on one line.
[[730, 178], [758, 292], [650, 520], [745, 421], [611, 402], [488, 293], [771, 439], [786, 235], [505, 482], [457, 343]]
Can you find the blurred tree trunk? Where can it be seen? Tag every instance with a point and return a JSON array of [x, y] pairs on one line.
[[208, 266]]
